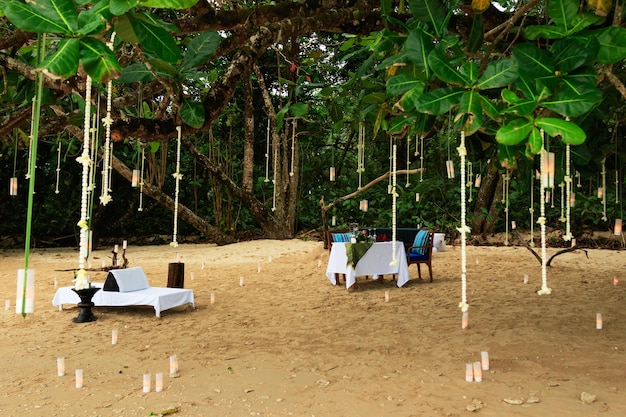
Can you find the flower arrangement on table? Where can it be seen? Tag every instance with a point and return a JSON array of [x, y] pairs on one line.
[[81, 280], [362, 236], [358, 246]]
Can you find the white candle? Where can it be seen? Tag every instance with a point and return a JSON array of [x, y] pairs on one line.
[[103, 264], [241, 281], [212, 298], [386, 296], [469, 372], [56, 281], [158, 382], [7, 304], [478, 373], [332, 173], [319, 263], [573, 242], [465, 320], [116, 248], [79, 378], [60, 366], [269, 259], [258, 268], [124, 244], [114, 337], [202, 267], [598, 321], [192, 276], [146, 382], [88, 266], [173, 365], [615, 281], [178, 257], [334, 221], [417, 197], [525, 278], [513, 225], [484, 360]]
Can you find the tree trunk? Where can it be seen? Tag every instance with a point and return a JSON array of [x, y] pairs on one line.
[[248, 146], [484, 199]]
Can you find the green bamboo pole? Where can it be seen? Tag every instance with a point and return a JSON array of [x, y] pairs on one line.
[[41, 40]]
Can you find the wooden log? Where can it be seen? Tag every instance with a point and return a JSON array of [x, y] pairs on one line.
[[176, 275]]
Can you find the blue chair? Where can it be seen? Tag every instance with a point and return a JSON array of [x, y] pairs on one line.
[[421, 252]]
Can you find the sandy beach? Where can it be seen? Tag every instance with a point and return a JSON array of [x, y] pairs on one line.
[[289, 343]]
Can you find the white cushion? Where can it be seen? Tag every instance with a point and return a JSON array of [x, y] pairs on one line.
[[127, 280]]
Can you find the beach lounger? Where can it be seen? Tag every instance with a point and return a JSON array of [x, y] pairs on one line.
[[129, 287]]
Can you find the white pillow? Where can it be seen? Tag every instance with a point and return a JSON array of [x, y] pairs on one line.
[[127, 280]]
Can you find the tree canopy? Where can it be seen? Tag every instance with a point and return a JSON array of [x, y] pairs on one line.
[[270, 94]]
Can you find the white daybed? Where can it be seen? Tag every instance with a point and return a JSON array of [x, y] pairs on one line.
[[129, 287]]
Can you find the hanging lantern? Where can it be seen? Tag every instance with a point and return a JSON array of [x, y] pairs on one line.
[[29, 298], [450, 169], [548, 196], [332, 173], [13, 186], [135, 181], [417, 197], [600, 192], [572, 199], [363, 205], [547, 169], [334, 221], [477, 181], [617, 230]]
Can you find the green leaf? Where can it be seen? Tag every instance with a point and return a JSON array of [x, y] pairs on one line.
[[506, 156], [137, 72], [569, 53], [490, 108], [444, 70], [90, 22], [569, 132], [509, 96], [373, 98], [280, 117], [522, 108], [401, 83], [470, 105], [299, 109], [168, 4], [536, 62], [439, 101], [397, 124], [98, 60], [409, 99], [477, 33], [418, 45], [119, 7], [124, 29], [563, 12], [514, 132], [612, 44], [469, 69], [431, 12], [534, 32], [572, 103], [43, 16], [583, 20], [534, 141], [154, 39], [192, 113], [64, 61], [201, 48], [498, 74]]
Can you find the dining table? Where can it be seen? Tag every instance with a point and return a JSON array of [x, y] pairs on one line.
[[378, 260]]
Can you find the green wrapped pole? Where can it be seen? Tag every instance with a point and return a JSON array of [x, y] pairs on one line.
[[41, 40]]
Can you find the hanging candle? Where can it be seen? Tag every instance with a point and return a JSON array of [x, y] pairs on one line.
[[572, 200], [334, 221], [617, 229], [332, 173], [450, 169], [547, 169], [135, 180], [13, 186], [25, 300], [363, 205], [477, 181], [417, 197], [600, 192]]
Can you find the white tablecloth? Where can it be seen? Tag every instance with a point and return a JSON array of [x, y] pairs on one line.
[[376, 261], [159, 297]]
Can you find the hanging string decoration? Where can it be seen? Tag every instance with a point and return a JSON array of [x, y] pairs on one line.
[[177, 176], [568, 193], [408, 161], [421, 158], [361, 154], [464, 229], [562, 216], [394, 197], [141, 176], [105, 197], [616, 186], [506, 182], [267, 152], [293, 145], [58, 169], [542, 219], [469, 183], [13, 180], [274, 179], [531, 209], [602, 191], [85, 160]]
